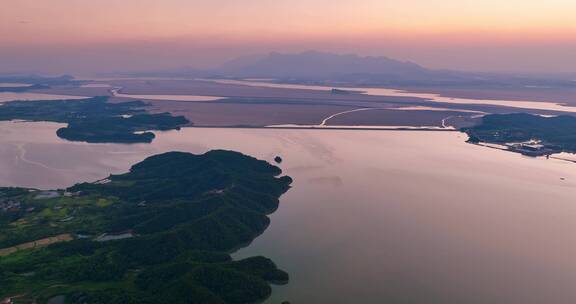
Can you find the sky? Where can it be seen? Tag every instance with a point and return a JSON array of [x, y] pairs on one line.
[[83, 36]]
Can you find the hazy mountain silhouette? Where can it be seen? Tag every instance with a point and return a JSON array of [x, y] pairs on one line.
[[313, 64]]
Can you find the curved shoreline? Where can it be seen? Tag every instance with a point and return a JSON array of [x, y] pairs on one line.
[[190, 98]]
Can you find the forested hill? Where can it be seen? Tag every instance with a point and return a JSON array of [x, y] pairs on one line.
[[161, 233], [95, 120], [555, 134]]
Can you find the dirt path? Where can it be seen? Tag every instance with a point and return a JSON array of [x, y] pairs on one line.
[[38, 243]]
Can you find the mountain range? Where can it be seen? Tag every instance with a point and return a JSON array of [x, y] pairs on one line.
[[315, 66]]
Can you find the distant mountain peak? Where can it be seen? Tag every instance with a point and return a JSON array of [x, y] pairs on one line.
[[317, 64]]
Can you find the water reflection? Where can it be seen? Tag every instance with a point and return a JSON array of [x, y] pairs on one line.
[[373, 216], [14, 85], [116, 92], [550, 106], [12, 96]]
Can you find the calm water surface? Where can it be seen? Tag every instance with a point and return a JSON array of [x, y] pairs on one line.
[[11, 96], [14, 85], [117, 92], [373, 216], [533, 105]]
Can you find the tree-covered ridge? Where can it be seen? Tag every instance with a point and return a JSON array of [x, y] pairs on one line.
[[160, 233], [95, 120], [557, 132]]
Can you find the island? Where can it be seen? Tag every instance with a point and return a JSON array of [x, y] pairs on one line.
[[160, 233], [95, 120], [340, 92], [531, 135]]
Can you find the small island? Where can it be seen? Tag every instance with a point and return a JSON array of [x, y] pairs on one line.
[[340, 92], [95, 120], [531, 135], [161, 233]]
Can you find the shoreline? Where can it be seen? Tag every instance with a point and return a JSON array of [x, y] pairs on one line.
[[328, 128]]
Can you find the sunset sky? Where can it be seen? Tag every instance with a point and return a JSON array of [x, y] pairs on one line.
[[86, 35]]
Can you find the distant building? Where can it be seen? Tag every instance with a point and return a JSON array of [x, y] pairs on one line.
[[533, 148]]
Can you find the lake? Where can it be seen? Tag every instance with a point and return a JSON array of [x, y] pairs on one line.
[[373, 216], [11, 96], [14, 85], [116, 93], [520, 104]]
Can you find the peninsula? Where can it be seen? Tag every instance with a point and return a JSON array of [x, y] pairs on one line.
[[161, 233], [531, 135], [95, 120]]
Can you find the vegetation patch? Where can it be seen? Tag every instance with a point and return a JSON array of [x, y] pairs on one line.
[[164, 239], [526, 133], [95, 120]]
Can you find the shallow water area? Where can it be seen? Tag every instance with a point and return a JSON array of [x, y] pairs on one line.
[[96, 85], [116, 93], [14, 85], [27, 96], [532, 105], [373, 216]]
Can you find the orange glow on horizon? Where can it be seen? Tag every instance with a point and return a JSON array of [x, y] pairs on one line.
[[61, 21], [215, 30]]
